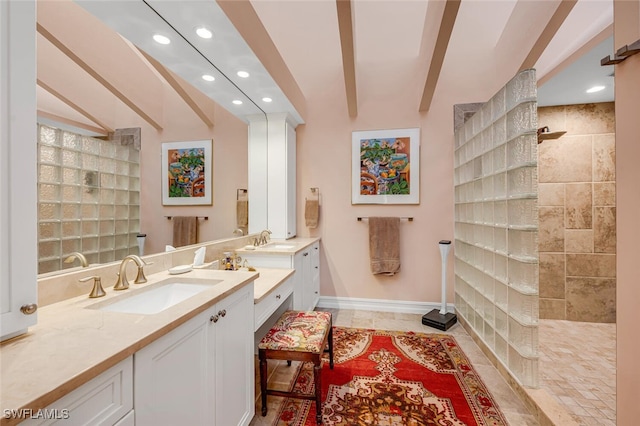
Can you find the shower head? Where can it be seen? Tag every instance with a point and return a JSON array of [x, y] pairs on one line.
[[544, 134]]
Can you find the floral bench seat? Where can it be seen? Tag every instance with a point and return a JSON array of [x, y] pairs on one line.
[[298, 336]]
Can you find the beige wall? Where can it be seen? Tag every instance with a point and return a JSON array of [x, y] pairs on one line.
[[230, 172], [324, 161], [577, 211], [627, 30]]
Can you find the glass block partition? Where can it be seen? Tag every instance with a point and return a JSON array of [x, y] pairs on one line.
[[88, 199], [496, 226]]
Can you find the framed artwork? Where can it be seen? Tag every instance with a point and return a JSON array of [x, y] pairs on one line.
[[186, 173], [385, 167]]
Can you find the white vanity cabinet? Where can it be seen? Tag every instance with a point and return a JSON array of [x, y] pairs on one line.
[[306, 279], [281, 176], [107, 399], [18, 168], [202, 372], [272, 189]]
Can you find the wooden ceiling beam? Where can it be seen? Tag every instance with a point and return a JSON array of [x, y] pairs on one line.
[[74, 123], [186, 91], [121, 71], [244, 17], [345, 27], [437, 59], [74, 106], [550, 30]]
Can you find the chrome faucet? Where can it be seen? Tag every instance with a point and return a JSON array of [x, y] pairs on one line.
[[76, 255], [123, 283]]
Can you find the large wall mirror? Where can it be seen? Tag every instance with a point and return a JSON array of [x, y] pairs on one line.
[[101, 71]]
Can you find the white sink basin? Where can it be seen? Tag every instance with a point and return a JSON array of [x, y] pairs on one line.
[[278, 246], [157, 298]]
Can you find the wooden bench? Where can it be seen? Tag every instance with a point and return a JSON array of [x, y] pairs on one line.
[[297, 336]]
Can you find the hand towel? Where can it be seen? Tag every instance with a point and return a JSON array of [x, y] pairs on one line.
[[311, 213], [242, 213], [384, 245], [185, 230]]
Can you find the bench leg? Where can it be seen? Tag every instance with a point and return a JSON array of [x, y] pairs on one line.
[[317, 377], [263, 383], [331, 347]]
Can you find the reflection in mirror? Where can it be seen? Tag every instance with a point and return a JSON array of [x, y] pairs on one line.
[[88, 199], [95, 88]]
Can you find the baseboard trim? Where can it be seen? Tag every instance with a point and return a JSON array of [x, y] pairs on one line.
[[379, 305]]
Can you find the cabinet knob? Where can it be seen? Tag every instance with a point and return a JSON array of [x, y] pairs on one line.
[[277, 296], [29, 309], [222, 313], [306, 253], [316, 292], [214, 318], [316, 267]]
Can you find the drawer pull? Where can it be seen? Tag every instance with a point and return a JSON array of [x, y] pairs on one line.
[[222, 313], [306, 253], [214, 318], [277, 296]]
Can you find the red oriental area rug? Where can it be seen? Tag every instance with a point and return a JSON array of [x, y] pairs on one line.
[[393, 378]]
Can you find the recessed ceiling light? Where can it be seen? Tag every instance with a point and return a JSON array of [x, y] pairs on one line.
[[203, 32], [595, 89], [161, 39], [243, 74], [208, 77], [237, 102], [266, 99]]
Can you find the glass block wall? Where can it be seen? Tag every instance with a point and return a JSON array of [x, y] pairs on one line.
[[496, 226], [88, 199]]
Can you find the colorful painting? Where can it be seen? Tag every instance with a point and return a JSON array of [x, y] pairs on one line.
[[386, 166], [186, 173]]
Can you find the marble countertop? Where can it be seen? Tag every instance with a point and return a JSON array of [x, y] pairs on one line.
[[70, 345], [288, 247], [268, 281]]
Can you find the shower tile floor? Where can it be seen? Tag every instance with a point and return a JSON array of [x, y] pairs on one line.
[[578, 368], [512, 407]]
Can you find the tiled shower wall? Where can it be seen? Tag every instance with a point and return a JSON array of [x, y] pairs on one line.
[[496, 226], [88, 199], [578, 214]]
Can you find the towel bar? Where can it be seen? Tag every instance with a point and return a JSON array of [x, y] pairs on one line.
[[410, 219], [197, 217]]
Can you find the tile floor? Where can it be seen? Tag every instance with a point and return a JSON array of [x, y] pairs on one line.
[[578, 368], [512, 407]]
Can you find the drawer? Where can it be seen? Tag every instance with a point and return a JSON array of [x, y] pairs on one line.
[[271, 302], [266, 260], [103, 400]]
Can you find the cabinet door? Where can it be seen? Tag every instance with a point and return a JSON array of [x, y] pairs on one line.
[[307, 280], [18, 161], [298, 283], [281, 176], [315, 272], [234, 363], [173, 377], [101, 401]]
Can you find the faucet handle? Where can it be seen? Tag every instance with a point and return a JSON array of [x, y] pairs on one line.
[[120, 283], [140, 277], [97, 290]]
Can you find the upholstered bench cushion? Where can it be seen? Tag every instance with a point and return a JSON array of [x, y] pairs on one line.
[[298, 331]]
